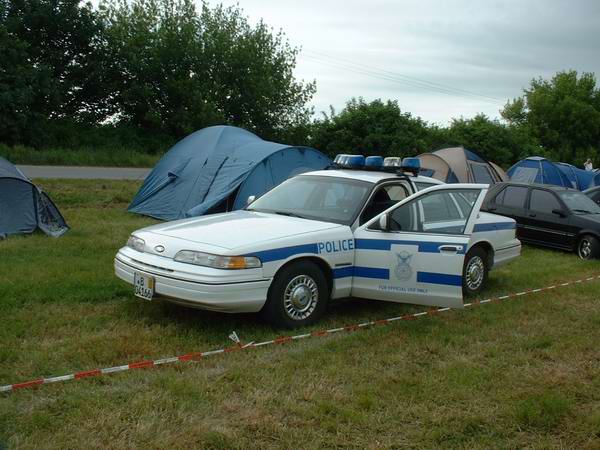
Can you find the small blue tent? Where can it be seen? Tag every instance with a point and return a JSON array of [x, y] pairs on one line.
[[216, 169], [536, 169], [580, 179], [24, 207]]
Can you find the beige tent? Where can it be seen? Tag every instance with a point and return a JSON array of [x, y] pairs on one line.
[[459, 165]]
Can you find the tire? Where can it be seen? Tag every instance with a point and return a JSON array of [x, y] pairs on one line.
[[588, 247], [297, 297], [475, 271]]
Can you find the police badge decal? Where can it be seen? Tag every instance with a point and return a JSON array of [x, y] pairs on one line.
[[403, 271]]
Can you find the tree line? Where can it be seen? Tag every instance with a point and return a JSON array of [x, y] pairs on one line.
[[142, 74]]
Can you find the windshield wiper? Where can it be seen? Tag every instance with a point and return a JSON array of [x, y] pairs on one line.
[[285, 213], [585, 211]]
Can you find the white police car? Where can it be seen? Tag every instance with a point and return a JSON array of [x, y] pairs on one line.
[[359, 229]]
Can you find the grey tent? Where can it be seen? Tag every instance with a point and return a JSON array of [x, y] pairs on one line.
[[24, 207], [459, 165]]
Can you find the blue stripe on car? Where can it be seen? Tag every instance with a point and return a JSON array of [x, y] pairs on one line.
[[439, 278], [386, 244], [343, 272], [480, 227], [384, 274], [371, 272], [284, 252]]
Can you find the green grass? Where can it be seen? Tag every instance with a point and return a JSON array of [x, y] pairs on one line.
[[117, 157], [522, 373]]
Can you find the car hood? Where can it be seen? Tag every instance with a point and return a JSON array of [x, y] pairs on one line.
[[236, 229]]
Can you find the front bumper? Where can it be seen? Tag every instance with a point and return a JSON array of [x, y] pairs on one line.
[[236, 297]]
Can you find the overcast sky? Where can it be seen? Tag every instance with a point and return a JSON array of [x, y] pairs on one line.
[[439, 59]]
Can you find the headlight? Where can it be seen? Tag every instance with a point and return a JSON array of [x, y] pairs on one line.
[[216, 261], [136, 243]]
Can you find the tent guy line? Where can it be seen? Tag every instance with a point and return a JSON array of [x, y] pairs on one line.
[[195, 356]]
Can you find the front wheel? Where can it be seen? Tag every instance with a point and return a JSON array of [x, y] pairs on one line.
[[588, 247], [298, 296], [475, 271]]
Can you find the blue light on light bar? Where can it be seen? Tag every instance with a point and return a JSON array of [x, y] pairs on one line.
[[411, 163], [374, 161], [355, 161]]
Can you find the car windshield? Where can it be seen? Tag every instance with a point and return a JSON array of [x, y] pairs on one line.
[[579, 202], [325, 198]]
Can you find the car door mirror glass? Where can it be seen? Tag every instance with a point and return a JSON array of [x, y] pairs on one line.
[[559, 212]]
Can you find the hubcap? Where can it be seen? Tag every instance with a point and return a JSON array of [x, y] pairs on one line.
[[300, 297], [474, 273], [585, 249]]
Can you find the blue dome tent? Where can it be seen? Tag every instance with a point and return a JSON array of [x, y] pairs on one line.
[[24, 207], [580, 179], [536, 169], [216, 169]]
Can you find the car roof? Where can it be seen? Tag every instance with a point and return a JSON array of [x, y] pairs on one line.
[[551, 187], [369, 176]]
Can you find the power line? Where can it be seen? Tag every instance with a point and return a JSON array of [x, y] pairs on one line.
[[386, 75]]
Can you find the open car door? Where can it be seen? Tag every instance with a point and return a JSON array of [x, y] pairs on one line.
[[414, 252]]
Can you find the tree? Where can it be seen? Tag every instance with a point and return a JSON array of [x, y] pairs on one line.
[[179, 70], [48, 63], [563, 113], [491, 139], [375, 128]]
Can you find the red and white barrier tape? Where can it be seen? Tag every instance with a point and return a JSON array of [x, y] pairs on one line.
[[280, 340]]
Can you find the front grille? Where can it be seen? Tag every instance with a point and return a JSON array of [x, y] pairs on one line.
[[164, 269]]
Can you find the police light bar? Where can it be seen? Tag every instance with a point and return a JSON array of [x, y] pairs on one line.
[[355, 161], [349, 161], [339, 159], [374, 161], [411, 165], [392, 161]]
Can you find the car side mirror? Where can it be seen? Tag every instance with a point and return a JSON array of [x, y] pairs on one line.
[[250, 199], [383, 222], [559, 212]]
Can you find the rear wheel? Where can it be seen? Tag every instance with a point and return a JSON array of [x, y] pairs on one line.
[[588, 247], [298, 296], [475, 271]]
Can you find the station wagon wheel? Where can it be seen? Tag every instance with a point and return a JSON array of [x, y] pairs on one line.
[[588, 247], [475, 271], [298, 295]]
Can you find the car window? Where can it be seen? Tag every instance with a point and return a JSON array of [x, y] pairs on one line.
[[439, 207], [435, 212], [578, 202], [465, 202], [383, 198], [329, 199], [513, 196], [543, 201], [421, 185]]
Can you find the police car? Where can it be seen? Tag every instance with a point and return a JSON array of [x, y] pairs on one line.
[[366, 227]]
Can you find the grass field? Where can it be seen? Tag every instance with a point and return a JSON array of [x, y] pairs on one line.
[[524, 373], [117, 157]]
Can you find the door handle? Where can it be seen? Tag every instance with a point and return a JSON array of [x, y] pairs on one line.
[[532, 215], [449, 248]]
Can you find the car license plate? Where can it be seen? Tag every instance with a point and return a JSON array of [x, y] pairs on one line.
[[143, 286]]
